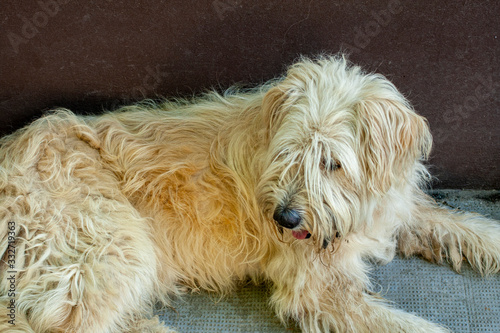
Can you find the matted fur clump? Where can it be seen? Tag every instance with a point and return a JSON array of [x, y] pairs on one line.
[[299, 183]]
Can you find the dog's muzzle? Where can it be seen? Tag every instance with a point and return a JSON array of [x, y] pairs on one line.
[[290, 219]]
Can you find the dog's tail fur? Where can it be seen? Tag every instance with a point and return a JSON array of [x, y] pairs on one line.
[[438, 233]]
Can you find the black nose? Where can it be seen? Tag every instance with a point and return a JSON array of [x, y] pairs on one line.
[[287, 218]]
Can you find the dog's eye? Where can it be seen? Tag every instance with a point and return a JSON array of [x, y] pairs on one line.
[[330, 165]]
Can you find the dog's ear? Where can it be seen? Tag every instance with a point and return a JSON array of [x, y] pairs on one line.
[[275, 104], [392, 138]]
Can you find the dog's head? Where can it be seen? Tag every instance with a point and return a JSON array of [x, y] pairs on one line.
[[338, 139]]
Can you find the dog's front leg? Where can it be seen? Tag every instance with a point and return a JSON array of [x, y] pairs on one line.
[[333, 298], [438, 233]]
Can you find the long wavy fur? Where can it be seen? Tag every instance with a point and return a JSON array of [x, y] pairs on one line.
[[102, 216]]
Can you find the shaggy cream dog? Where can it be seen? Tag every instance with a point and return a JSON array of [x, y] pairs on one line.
[[299, 183]]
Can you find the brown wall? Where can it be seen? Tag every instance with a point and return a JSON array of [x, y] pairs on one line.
[[90, 55]]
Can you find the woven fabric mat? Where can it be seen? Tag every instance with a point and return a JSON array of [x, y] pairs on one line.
[[464, 302]]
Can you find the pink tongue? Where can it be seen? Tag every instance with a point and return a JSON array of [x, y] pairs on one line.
[[301, 234]]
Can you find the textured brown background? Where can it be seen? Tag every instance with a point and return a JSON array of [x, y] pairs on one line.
[[90, 55]]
